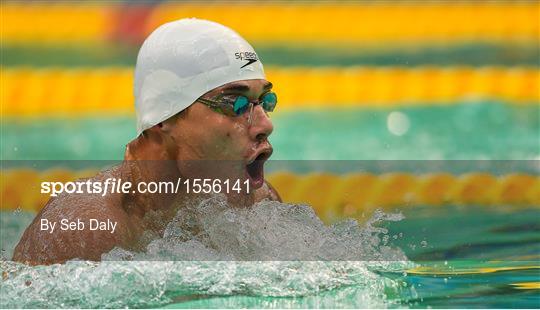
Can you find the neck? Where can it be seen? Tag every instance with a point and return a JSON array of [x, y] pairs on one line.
[[149, 158]]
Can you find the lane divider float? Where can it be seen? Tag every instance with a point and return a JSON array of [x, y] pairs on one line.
[[331, 195]]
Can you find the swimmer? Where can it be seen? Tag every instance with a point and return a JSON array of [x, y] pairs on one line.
[[202, 104]]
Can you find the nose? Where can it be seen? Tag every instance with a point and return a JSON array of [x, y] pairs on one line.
[[261, 125]]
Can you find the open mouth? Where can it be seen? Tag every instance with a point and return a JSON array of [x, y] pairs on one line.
[[255, 169]]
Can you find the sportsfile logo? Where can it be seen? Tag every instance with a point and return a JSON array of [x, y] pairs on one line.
[[251, 57]]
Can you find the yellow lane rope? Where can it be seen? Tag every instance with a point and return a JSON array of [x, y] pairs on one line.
[[294, 23], [39, 23], [527, 285], [368, 23], [481, 270], [60, 91], [332, 196]]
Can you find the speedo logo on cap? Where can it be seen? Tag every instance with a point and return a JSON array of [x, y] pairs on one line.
[[251, 57]]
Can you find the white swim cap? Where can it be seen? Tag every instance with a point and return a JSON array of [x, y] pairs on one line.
[[182, 60]]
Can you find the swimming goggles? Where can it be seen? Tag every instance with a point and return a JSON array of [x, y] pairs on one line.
[[236, 105]]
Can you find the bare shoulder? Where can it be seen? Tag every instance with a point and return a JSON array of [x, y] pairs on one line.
[[267, 191], [73, 226]]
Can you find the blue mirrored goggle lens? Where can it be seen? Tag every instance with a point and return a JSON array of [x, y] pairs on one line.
[[269, 102], [241, 105]]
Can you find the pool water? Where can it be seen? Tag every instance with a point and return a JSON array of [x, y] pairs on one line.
[[453, 257], [476, 130]]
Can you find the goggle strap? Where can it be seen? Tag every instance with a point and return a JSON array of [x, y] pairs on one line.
[[250, 118], [212, 103]]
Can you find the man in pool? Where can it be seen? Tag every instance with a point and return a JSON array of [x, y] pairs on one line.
[[202, 104]]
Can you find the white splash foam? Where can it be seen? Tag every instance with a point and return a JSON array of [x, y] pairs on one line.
[[271, 249]]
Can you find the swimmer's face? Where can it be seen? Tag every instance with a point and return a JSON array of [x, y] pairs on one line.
[[232, 145]]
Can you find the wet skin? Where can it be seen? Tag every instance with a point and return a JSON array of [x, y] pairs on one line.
[[198, 142]]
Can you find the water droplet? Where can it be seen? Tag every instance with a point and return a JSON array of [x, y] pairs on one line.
[[397, 123]]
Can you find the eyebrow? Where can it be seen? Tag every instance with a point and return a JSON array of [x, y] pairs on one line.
[[236, 87], [268, 86], [245, 88]]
